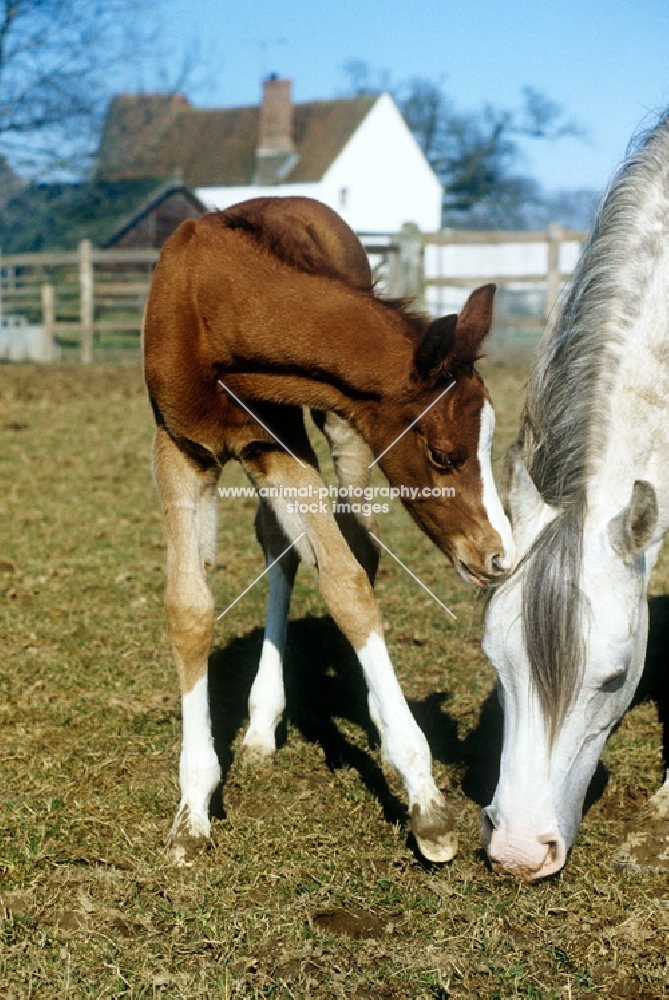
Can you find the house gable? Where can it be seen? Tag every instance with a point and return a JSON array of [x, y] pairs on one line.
[[155, 219], [381, 178], [378, 181]]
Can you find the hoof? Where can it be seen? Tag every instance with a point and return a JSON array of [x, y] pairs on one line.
[[255, 754], [434, 832], [646, 844], [187, 838]]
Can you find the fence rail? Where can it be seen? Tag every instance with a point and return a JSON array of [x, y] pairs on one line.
[[84, 301], [90, 301], [440, 269]]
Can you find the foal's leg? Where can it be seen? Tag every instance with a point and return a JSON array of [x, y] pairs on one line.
[[187, 496], [267, 699], [349, 596], [351, 456]]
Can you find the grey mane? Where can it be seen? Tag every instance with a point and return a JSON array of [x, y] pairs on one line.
[[566, 417]]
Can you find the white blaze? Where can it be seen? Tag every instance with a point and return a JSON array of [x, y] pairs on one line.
[[491, 501]]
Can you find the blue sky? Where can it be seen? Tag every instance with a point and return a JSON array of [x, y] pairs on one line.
[[606, 62]]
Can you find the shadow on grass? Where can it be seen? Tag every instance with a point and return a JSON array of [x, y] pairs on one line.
[[324, 683], [654, 684]]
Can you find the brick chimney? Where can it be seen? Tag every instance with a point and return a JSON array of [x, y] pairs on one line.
[[275, 155]]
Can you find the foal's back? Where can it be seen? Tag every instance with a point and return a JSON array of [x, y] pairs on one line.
[[305, 234], [256, 285]]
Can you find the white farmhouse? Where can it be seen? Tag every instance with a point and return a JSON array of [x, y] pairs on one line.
[[357, 155]]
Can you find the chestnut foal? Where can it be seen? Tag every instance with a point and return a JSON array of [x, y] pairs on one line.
[[270, 303]]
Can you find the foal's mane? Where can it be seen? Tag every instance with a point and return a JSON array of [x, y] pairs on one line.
[[566, 417]]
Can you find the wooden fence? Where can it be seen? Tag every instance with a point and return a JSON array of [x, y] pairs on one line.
[[440, 269], [90, 302], [85, 301]]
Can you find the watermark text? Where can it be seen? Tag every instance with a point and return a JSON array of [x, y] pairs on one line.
[[338, 492]]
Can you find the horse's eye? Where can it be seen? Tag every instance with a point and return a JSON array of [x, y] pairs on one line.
[[445, 461], [614, 682]]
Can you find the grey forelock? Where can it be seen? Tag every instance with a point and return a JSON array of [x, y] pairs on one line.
[[566, 416], [554, 613]]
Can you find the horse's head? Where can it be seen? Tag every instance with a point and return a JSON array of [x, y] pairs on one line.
[[586, 577], [444, 460]]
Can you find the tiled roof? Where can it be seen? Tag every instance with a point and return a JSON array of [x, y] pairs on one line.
[[157, 135]]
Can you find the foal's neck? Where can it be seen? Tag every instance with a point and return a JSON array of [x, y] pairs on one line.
[[307, 340]]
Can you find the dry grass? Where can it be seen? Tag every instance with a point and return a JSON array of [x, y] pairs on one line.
[[311, 888]]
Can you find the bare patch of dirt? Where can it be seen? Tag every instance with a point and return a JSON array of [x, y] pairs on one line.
[[353, 923]]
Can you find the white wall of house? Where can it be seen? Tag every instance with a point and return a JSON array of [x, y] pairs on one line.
[[379, 181], [223, 197]]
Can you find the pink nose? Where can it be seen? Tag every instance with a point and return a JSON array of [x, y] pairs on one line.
[[521, 853]]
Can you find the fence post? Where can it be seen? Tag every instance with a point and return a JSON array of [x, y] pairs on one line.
[[553, 277], [86, 299], [47, 321], [407, 273]]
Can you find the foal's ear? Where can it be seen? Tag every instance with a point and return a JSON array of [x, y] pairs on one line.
[[474, 324], [632, 529], [454, 342], [436, 347]]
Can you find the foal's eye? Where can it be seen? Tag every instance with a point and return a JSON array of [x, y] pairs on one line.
[[446, 461]]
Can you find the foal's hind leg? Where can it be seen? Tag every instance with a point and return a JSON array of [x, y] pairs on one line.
[[267, 699], [187, 496], [349, 596]]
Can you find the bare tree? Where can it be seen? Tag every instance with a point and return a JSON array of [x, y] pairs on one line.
[[57, 67]]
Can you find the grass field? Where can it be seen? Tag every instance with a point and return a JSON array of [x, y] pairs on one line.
[[311, 888]]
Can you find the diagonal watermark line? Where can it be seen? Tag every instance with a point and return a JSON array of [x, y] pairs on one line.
[[413, 422], [420, 582], [266, 570], [259, 421]]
